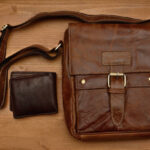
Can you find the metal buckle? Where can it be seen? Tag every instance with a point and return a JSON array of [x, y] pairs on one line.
[[4, 27], [117, 74]]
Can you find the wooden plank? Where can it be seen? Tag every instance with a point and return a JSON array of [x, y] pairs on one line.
[[50, 132]]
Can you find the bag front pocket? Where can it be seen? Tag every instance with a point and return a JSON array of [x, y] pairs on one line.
[[92, 104], [93, 108]]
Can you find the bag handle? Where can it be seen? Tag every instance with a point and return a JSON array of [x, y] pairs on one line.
[[37, 50]]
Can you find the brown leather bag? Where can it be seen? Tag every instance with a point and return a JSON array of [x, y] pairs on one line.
[[106, 73]]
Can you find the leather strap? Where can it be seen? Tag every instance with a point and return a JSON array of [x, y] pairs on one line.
[[62, 15], [3, 42], [117, 100], [47, 15], [28, 51]]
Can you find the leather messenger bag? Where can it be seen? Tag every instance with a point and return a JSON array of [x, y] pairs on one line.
[[106, 73]]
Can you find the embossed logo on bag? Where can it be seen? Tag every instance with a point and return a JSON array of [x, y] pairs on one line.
[[116, 58]]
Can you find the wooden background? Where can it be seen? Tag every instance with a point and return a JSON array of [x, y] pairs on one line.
[[50, 132]]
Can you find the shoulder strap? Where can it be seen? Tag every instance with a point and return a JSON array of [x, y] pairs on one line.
[[28, 51], [37, 50], [6, 29]]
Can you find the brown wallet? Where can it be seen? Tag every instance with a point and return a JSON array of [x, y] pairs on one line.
[[33, 93]]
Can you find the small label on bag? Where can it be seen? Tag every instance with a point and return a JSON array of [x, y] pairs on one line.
[[116, 58]]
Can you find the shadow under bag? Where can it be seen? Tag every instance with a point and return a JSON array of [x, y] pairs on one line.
[[106, 73]]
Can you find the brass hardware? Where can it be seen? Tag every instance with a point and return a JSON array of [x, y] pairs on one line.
[[83, 81], [149, 78], [4, 27], [117, 74]]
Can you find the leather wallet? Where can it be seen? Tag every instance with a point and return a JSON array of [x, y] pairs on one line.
[[33, 93]]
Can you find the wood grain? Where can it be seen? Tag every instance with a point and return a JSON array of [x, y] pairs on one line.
[[50, 132]]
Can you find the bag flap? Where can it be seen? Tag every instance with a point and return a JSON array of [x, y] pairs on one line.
[[95, 48]]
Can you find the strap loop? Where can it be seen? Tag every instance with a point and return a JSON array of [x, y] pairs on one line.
[[56, 49]]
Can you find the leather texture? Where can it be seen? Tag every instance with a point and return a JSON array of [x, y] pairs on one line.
[[33, 93], [33, 50], [53, 15], [117, 100], [92, 109]]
